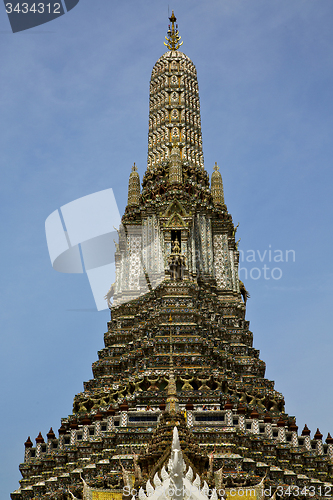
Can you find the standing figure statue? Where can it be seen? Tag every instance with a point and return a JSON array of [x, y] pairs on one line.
[[187, 382], [204, 386], [176, 262]]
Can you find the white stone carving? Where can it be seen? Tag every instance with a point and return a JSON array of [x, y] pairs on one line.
[[177, 485]]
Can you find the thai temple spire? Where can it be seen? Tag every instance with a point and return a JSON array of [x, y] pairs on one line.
[[174, 110], [217, 186], [178, 319], [134, 187]]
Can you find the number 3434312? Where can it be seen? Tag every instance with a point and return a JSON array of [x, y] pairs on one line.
[[35, 8]]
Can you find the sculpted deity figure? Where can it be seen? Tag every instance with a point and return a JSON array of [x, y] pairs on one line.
[[153, 384], [187, 382], [169, 383], [176, 247], [176, 262], [137, 383], [204, 386], [221, 383]]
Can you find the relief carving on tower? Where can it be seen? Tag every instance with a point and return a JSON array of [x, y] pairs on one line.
[[176, 222], [221, 261], [175, 207]]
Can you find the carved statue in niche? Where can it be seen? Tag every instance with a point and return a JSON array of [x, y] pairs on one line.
[[137, 384], [176, 262], [204, 386]]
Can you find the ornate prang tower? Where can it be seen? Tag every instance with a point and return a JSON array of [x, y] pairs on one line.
[[178, 350]]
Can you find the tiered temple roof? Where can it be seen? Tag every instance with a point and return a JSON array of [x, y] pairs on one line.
[[177, 293]]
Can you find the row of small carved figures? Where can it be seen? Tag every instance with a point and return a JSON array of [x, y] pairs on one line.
[[190, 190], [191, 175], [117, 480], [263, 399], [189, 172]]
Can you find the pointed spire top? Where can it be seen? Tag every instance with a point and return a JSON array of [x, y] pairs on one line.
[[318, 435], [39, 438], [216, 167], [50, 434], [28, 443], [329, 439], [175, 440], [134, 187], [173, 18], [306, 431], [173, 38]]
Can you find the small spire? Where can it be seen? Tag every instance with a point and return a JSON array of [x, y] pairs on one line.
[[134, 187], [28, 443], [50, 434], [306, 431], [173, 37], [318, 435], [39, 438], [217, 186], [62, 430], [329, 439], [172, 403]]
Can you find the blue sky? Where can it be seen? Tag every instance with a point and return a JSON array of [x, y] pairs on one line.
[[74, 117]]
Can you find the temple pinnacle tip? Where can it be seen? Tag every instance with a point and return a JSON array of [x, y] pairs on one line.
[[173, 38]]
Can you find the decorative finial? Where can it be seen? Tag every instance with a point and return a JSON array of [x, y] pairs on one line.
[[217, 186], [173, 37], [134, 187]]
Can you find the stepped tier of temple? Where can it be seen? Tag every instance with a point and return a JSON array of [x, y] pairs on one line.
[[178, 351]]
